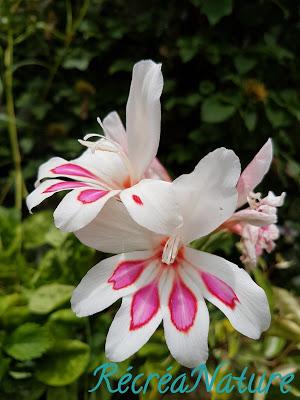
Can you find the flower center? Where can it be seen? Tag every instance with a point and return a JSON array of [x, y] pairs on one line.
[[171, 248]]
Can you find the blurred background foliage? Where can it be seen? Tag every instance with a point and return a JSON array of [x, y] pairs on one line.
[[232, 79]]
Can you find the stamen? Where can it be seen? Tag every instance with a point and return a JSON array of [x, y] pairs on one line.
[[106, 144], [171, 249], [254, 200]]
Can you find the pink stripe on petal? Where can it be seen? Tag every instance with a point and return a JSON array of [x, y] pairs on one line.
[[63, 186], [183, 306], [91, 195], [144, 306], [220, 289], [73, 170], [127, 273]]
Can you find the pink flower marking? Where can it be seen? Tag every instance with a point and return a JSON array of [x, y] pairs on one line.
[[91, 195], [220, 289], [73, 170], [137, 199], [144, 306], [126, 273], [183, 306], [64, 186]]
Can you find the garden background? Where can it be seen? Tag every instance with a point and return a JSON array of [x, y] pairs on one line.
[[232, 78]]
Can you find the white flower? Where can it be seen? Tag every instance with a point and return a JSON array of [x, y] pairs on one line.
[[158, 276], [116, 161]]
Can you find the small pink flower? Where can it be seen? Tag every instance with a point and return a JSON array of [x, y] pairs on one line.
[[256, 223]]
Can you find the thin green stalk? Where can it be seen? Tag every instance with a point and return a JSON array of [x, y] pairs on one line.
[[12, 127]]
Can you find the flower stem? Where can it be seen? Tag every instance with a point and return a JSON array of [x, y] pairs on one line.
[[12, 127]]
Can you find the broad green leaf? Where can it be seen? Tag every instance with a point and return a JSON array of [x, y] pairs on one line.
[[10, 300], [35, 229], [64, 363], [49, 297], [277, 117], [66, 316], [216, 9], [15, 316], [244, 64], [215, 110], [27, 342]]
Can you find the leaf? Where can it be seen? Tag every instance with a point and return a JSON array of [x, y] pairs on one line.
[[66, 316], [286, 329], [61, 393], [49, 297], [273, 346], [277, 117], [244, 64], [64, 363], [120, 66], [216, 9], [287, 303], [15, 316], [214, 110], [35, 229], [8, 301], [250, 119], [27, 342]]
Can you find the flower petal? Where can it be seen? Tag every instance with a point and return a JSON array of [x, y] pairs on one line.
[[114, 129], [254, 172], [112, 279], [273, 201], [232, 290], [58, 167], [186, 320], [79, 207], [143, 115], [114, 231], [207, 196], [134, 324], [48, 188], [151, 203], [103, 168], [157, 171], [254, 217]]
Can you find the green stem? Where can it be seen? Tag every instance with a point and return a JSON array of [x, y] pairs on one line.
[[12, 127]]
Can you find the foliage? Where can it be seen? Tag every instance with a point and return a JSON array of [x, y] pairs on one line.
[[231, 79]]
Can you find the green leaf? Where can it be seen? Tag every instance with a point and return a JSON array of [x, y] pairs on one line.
[[35, 229], [27, 342], [288, 304], [273, 346], [215, 110], [216, 9], [250, 119], [277, 117], [66, 316], [8, 301], [61, 393], [244, 64], [49, 297], [64, 363], [120, 66], [286, 329], [15, 316]]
